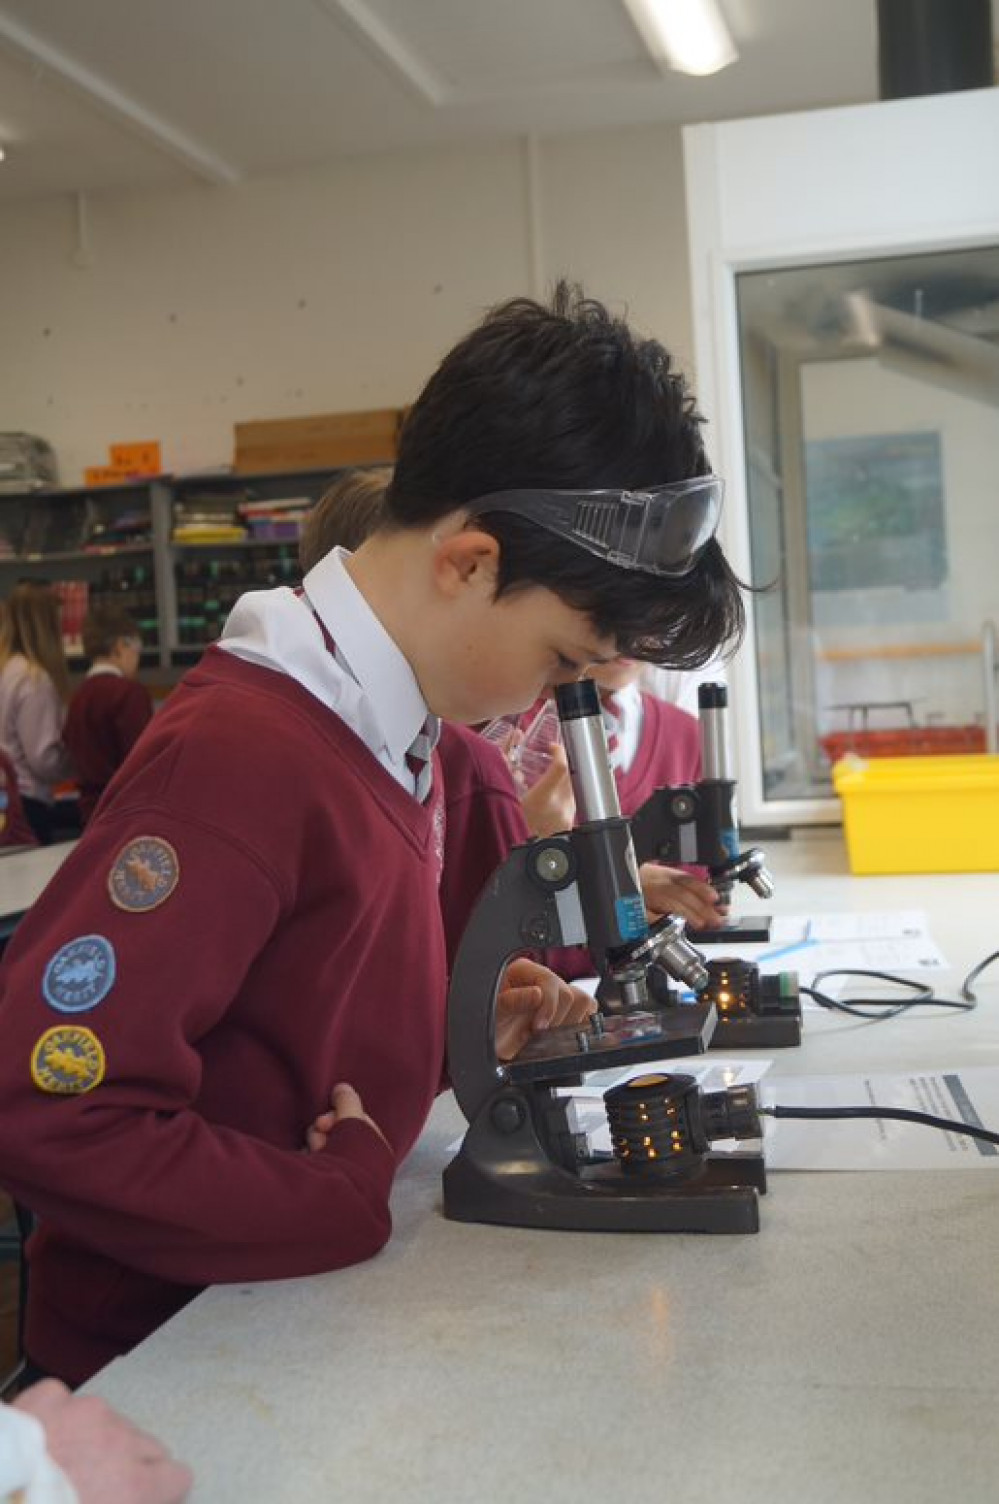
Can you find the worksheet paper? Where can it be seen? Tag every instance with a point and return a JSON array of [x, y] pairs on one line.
[[971, 1095], [895, 941]]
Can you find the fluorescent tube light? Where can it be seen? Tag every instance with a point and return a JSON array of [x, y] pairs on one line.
[[687, 35]]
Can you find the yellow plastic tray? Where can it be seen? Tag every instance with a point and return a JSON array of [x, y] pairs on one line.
[[920, 814]]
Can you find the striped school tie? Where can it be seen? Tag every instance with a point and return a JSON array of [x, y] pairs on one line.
[[419, 753], [612, 714], [419, 757]]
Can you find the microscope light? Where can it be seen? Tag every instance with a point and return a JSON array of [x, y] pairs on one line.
[[663, 1124]]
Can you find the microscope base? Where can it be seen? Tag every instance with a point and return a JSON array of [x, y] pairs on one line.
[[757, 1032], [502, 1176], [751, 929]]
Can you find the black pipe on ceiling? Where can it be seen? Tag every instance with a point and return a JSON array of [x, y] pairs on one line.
[[934, 46]]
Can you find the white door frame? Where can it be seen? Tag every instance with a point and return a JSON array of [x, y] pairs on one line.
[[896, 178]]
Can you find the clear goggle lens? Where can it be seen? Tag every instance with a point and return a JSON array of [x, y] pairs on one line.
[[658, 530]]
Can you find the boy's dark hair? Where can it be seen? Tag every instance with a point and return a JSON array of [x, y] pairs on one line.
[[566, 397], [102, 628], [346, 513]]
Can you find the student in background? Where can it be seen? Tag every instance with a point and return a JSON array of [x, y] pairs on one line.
[[60, 1448], [344, 515], [34, 692], [654, 745], [110, 709], [248, 935]]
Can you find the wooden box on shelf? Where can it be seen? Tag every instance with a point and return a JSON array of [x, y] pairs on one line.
[[361, 438]]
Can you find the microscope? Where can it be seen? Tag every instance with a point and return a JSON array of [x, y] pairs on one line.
[[523, 1161], [695, 824]]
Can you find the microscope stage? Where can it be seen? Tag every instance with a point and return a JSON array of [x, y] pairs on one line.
[[625, 1038]]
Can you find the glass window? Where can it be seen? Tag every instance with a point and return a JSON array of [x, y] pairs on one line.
[[871, 411]]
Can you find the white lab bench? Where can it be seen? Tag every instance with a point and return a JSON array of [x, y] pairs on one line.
[[848, 1351], [24, 872]]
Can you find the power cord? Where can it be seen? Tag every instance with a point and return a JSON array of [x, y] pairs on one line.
[[904, 1114], [882, 1008], [891, 1008], [974, 974]]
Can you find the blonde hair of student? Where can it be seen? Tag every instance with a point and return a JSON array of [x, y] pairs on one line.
[[30, 625], [346, 513]]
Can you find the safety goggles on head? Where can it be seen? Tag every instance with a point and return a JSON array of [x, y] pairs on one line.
[[657, 530]]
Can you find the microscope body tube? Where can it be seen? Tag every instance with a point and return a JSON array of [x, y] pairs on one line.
[[717, 823], [609, 886]]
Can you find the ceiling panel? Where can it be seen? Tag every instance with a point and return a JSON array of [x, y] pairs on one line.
[[240, 87]]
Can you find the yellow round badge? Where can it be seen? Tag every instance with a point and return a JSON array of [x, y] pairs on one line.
[[144, 874], [67, 1061]]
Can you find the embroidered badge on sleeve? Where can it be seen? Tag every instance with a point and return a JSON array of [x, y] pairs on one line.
[[80, 974], [144, 874], [67, 1061]]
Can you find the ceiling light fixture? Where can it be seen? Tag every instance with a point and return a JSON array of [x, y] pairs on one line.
[[689, 36]]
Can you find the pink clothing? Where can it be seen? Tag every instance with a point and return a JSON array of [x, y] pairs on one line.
[[32, 715]]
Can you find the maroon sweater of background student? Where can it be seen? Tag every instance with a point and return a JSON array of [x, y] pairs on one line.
[[669, 753], [106, 716], [483, 822], [302, 946]]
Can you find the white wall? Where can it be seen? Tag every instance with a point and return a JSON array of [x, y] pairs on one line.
[[320, 291]]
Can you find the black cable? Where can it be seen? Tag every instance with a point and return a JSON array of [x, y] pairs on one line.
[[973, 975], [890, 1007], [904, 1114]]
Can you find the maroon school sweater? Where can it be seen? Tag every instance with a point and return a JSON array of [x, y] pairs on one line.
[[669, 753], [276, 931], [483, 822], [106, 717]]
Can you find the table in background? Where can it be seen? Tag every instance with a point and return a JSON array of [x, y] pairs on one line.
[[849, 1351], [24, 872]]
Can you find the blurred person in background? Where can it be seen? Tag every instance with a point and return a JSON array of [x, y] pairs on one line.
[[34, 694], [110, 709]]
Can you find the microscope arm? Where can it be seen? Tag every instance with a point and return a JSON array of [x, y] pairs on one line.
[[530, 903]]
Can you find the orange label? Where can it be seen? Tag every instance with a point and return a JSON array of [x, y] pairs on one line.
[[141, 458], [106, 475]]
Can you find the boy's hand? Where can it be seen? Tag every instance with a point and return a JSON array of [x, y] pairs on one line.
[[532, 999], [344, 1104], [105, 1457], [550, 806], [669, 891]]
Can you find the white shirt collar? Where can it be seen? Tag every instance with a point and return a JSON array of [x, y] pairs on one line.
[[104, 668], [378, 697], [374, 658], [630, 720]]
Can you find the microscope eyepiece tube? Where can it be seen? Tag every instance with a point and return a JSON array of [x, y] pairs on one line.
[[586, 750], [712, 705]]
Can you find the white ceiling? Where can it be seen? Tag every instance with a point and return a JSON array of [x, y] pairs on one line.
[[134, 93]]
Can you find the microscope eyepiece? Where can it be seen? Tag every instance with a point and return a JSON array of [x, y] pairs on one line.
[[712, 696], [577, 699]]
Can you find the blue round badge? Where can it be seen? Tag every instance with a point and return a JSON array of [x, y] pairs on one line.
[[80, 975]]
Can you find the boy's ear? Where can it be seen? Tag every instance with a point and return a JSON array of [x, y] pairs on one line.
[[464, 558]]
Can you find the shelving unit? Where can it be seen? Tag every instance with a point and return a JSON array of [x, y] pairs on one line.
[[119, 541], [104, 538], [207, 578]]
